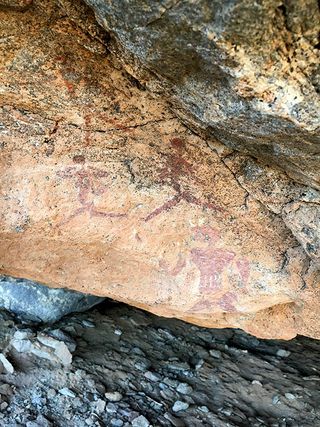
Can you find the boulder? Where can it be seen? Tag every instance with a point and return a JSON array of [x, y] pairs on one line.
[[242, 71], [38, 303], [105, 191]]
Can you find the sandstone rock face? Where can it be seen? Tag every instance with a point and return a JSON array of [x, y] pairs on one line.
[[103, 190], [246, 72], [36, 302]]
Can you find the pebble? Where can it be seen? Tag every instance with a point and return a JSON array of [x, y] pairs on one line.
[[113, 396], [184, 388], [111, 408], [290, 396], [151, 376], [116, 422], [180, 406], [204, 409], [21, 345], [140, 421], [118, 332], [275, 400], [256, 382], [88, 324], [215, 353], [7, 366], [22, 334], [61, 350], [170, 382], [283, 353], [6, 389], [51, 393], [67, 392], [199, 364], [100, 406], [3, 406]]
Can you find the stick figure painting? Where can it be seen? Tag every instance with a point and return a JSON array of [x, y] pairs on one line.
[[87, 180]]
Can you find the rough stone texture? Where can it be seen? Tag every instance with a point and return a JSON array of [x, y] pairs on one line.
[[105, 191], [246, 72], [34, 301], [222, 377]]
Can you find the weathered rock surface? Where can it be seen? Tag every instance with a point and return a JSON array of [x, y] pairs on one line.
[[245, 72], [157, 372], [33, 301], [105, 191]]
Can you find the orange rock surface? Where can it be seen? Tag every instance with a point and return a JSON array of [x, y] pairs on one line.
[[104, 191]]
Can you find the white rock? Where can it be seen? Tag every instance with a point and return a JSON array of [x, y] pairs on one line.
[[21, 345], [184, 388], [60, 348], [151, 376], [100, 406], [113, 396], [88, 324], [67, 392], [283, 353], [204, 409], [140, 421], [290, 396], [7, 366], [215, 353], [180, 406]]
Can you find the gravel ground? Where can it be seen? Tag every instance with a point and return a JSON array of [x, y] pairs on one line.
[[118, 366]]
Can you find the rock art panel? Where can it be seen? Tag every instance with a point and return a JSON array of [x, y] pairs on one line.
[[104, 191]]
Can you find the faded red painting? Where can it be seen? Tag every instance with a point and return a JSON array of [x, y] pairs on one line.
[[87, 180], [175, 170], [214, 263]]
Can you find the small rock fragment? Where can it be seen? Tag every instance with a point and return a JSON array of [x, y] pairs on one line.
[[7, 366], [184, 388], [3, 406], [290, 396], [140, 421], [100, 406], [180, 406], [256, 382], [283, 353], [116, 422], [88, 324], [113, 396], [215, 353], [204, 409], [51, 393], [199, 364], [111, 408], [275, 400], [67, 392], [152, 376]]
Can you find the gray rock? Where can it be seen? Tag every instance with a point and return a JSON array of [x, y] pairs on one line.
[[67, 392], [180, 406], [215, 353], [116, 422], [113, 396], [140, 421], [36, 302], [224, 67], [184, 388], [283, 353]]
